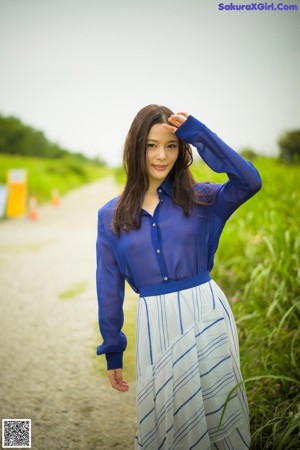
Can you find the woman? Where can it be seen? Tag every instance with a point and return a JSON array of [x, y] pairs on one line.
[[161, 235]]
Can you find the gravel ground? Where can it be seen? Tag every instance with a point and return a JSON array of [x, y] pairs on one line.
[[48, 343]]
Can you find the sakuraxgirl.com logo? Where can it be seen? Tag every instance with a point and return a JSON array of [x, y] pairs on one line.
[[257, 7]]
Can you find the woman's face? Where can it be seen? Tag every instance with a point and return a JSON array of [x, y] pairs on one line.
[[161, 155]]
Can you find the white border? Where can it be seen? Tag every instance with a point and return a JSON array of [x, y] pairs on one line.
[[16, 446]]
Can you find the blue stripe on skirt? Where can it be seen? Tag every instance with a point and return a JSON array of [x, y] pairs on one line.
[[187, 363]]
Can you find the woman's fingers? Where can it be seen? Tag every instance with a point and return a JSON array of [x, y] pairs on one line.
[[178, 119], [186, 115], [169, 127], [116, 380]]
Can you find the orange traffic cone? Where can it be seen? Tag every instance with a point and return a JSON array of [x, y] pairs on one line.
[[55, 197], [33, 212]]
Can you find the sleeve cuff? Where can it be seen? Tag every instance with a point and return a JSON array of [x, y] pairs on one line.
[[114, 360], [190, 129]]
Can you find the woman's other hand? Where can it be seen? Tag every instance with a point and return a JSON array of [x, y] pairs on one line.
[[176, 120], [116, 380]]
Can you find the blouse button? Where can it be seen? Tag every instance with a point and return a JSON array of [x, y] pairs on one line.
[[158, 251], [159, 190], [165, 278], [154, 224]]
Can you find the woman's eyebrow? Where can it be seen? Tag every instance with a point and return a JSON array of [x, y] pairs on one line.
[[154, 140]]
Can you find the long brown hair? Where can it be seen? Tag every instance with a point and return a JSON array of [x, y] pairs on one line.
[[127, 214]]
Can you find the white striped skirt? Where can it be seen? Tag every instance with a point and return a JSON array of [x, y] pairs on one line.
[[187, 364]]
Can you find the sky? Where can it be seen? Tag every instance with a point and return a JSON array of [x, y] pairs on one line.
[[79, 70]]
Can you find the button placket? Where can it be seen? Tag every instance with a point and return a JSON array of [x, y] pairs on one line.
[[157, 244]]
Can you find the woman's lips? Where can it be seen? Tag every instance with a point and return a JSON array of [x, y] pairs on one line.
[[159, 167]]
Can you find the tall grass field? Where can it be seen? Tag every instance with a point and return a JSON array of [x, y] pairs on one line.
[[46, 174], [257, 265]]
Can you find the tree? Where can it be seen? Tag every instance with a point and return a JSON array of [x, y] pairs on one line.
[[248, 154], [17, 138], [289, 145]]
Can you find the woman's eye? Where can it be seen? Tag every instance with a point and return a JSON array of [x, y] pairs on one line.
[[172, 146], [150, 145]]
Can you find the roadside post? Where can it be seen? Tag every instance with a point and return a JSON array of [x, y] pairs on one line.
[[16, 193]]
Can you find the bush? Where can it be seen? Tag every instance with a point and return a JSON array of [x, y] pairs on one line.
[[248, 154], [289, 144]]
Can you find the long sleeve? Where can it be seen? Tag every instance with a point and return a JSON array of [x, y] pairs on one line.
[[244, 180], [110, 292]]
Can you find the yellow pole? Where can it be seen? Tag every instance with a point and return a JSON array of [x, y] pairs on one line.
[[17, 193]]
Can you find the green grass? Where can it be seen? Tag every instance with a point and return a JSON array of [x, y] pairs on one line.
[[73, 291], [44, 175], [258, 267]]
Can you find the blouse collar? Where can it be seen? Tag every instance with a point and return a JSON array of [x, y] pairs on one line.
[[166, 186]]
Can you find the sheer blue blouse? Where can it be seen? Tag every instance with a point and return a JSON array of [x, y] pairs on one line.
[[168, 246]]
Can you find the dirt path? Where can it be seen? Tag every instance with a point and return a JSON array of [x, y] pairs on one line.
[[47, 354]]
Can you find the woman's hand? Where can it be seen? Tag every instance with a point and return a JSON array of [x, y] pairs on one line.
[[176, 120], [116, 380]]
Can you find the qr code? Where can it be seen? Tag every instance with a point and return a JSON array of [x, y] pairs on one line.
[[16, 433]]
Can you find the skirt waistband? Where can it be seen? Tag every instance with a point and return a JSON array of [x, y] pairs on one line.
[[173, 286]]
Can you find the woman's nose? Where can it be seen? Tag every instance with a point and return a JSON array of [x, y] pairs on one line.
[[161, 153]]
